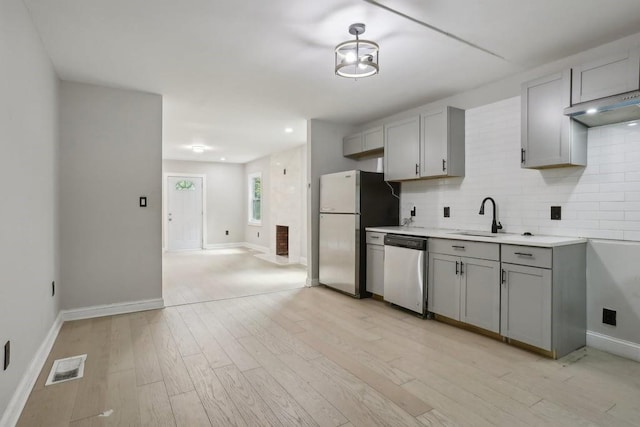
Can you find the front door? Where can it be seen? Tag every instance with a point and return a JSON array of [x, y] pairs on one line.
[[184, 213]]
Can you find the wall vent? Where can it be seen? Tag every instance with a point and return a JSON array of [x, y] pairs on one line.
[[67, 369]]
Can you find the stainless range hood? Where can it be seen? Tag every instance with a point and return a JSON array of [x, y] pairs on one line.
[[620, 108]]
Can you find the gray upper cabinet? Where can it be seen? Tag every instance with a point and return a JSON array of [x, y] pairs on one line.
[[366, 142], [402, 149], [373, 139], [442, 143], [605, 77], [549, 138], [352, 145]]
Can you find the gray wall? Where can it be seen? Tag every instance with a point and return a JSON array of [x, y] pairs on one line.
[[259, 235], [225, 197], [324, 151], [28, 217], [110, 154]]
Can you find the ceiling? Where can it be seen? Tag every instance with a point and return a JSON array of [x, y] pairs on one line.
[[234, 74]]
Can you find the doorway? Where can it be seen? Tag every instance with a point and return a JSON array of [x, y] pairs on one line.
[[184, 226]]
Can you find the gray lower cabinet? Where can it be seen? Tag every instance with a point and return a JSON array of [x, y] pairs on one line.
[[543, 297], [375, 263], [465, 288]]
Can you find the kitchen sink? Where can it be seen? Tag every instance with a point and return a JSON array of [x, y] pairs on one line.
[[476, 233]]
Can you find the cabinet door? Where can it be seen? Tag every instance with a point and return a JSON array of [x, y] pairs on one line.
[[606, 77], [442, 143], [373, 139], [526, 305], [352, 145], [548, 136], [375, 269], [444, 285], [402, 150], [480, 293]]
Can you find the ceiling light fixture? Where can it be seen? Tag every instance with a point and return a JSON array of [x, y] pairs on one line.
[[592, 110], [288, 130], [357, 58], [198, 148], [223, 159]]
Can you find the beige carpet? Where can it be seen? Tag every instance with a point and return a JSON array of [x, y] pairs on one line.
[[199, 276]]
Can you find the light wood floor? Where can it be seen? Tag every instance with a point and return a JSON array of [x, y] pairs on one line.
[[199, 276], [315, 357]]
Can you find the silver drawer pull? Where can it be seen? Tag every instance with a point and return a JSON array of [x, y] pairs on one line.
[[375, 237], [522, 254], [457, 247]]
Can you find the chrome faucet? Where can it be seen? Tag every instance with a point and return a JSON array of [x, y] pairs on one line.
[[495, 226]]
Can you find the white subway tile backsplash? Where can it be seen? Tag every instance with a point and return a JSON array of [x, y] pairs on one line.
[[601, 200]]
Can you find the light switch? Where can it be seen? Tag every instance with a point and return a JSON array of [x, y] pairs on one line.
[[143, 201]]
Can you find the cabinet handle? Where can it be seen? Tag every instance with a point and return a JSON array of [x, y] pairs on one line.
[[522, 254], [522, 151], [502, 277], [444, 162], [417, 169], [456, 267], [461, 270], [374, 237], [457, 247]]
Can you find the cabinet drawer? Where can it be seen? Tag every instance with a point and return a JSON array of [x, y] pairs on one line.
[[527, 255], [375, 238], [490, 251]]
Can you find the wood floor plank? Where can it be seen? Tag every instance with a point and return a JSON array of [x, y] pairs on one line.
[[188, 410], [155, 407], [217, 403], [253, 409], [284, 406], [121, 405], [407, 401], [92, 388], [121, 348], [236, 353], [434, 418], [50, 406], [175, 375], [209, 346], [181, 333], [317, 406], [146, 361]]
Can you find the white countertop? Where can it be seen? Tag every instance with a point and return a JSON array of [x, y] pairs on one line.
[[505, 238]]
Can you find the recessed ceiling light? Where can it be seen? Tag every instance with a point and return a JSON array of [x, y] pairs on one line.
[[223, 158], [198, 148], [633, 124], [288, 130], [592, 110]]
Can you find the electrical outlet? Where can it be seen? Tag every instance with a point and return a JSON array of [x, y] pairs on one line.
[[447, 211], [556, 212], [258, 234], [53, 288], [609, 316], [226, 232], [7, 354], [413, 211]]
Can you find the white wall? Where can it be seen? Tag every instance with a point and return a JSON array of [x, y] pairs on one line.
[[259, 235], [225, 197], [110, 154], [324, 153], [29, 214], [286, 193]]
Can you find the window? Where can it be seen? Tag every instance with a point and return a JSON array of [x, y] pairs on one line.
[[255, 199], [185, 185]]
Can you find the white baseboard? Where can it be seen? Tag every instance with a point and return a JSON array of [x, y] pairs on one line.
[[623, 348], [313, 282], [111, 309], [22, 392], [256, 247], [224, 245]]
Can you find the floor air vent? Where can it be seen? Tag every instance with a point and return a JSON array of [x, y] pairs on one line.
[[67, 369]]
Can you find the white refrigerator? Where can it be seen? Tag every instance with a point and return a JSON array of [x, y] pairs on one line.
[[349, 202]]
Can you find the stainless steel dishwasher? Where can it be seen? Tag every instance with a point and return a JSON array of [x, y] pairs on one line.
[[405, 260]]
